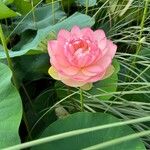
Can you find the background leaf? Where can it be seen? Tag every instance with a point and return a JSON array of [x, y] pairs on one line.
[[39, 43], [10, 109], [83, 2], [7, 1], [31, 67], [67, 5], [43, 18], [5, 12], [24, 6], [86, 120]]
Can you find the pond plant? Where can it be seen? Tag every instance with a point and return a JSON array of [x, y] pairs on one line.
[[75, 74]]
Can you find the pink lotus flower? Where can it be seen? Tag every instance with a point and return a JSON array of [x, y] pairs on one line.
[[81, 57]]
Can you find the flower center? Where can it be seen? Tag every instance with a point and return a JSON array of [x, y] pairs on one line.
[[80, 45], [80, 52]]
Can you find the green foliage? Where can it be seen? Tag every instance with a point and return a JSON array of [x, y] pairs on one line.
[[39, 64], [87, 120], [43, 17], [67, 4], [10, 109], [85, 3], [36, 106], [6, 2], [39, 43], [24, 6], [6, 12]]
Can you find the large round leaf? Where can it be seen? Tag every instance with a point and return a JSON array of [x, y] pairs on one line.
[[39, 43], [10, 109], [85, 120]]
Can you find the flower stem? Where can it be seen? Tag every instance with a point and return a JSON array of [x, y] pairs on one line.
[[87, 5], [53, 11], [81, 100], [10, 64], [33, 14]]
